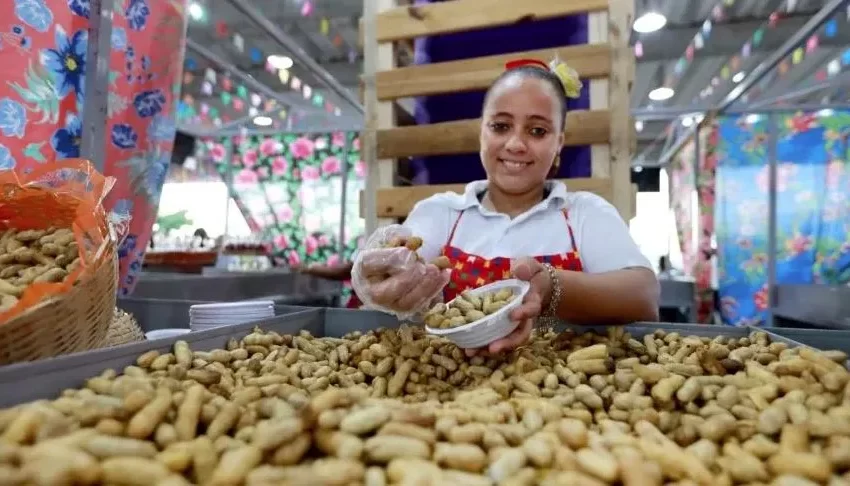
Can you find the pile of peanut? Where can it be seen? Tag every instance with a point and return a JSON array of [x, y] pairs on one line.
[[405, 408], [30, 256], [467, 308]]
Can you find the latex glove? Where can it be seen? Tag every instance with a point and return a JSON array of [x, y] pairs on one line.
[[533, 272], [393, 280]]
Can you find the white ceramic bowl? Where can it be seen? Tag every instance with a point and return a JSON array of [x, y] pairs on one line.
[[165, 333], [495, 326]]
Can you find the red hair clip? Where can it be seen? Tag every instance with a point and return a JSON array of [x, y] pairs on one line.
[[526, 62]]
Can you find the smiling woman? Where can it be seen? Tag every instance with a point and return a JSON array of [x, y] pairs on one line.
[[574, 248]]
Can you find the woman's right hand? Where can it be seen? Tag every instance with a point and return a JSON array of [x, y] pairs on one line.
[[398, 280]]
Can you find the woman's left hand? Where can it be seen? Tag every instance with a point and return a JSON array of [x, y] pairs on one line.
[[533, 272]]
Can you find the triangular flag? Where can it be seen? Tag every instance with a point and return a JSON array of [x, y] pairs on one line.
[[812, 44], [758, 36], [306, 8]]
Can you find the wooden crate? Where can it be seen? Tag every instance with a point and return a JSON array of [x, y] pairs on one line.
[[606, 62]]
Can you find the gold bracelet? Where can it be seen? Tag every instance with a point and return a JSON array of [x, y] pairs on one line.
[[548, 319]]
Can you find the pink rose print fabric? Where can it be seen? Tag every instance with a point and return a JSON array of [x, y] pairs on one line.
[[290, 187]]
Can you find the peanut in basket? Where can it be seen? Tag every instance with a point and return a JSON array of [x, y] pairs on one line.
[[467, 308], [33, 256]]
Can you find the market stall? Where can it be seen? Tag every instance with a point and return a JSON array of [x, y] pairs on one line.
[[757, 184], [290, 178], [330, 396]]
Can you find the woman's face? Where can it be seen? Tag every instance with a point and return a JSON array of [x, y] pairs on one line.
[[521, 133]]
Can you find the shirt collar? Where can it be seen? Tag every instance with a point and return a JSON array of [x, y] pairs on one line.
[[557, 195]]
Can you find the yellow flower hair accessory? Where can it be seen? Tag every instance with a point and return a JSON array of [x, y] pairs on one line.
[[568, 76]]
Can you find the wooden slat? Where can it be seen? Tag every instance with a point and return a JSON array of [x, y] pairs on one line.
[[462, 15], [397, 202], [620, 19], [461, 137], [590, 61]]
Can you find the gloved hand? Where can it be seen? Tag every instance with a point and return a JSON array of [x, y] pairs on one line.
[[394, 280]]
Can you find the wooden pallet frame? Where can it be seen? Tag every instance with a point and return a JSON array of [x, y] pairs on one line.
[[606, 61]]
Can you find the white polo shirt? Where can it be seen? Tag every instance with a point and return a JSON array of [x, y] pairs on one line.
[[602, 237]]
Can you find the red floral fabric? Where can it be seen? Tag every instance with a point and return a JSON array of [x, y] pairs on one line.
[[43, 59]]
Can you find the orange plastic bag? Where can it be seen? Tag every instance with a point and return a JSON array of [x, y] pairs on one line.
[[63, 194]]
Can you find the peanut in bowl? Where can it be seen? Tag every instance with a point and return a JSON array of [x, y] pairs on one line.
[[479, 316]]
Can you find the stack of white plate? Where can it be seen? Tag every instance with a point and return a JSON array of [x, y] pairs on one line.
[[208, 316], [164, 333]]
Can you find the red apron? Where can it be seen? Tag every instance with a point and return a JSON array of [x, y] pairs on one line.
[[471, 271]]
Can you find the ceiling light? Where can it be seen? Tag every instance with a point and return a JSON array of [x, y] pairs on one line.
[[263, 121], [661, 94], [687, 121], [650, 22], [639, 125], [738, 77], [196, 11], [280, 62], [753, 119], [826, 112]]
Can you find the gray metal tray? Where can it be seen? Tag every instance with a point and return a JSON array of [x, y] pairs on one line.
[[47, 378], [825, 339], [812, 306], [153, 314]]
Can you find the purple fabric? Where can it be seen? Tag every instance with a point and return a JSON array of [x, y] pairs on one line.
[[450, 169]]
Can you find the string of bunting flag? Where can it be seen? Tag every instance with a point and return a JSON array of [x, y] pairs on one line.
[[730, 71], [195, 109], [828, 70], [718, 13], [236, 96], [217, 90]]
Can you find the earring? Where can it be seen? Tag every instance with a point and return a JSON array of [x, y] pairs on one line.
[[556, 164]]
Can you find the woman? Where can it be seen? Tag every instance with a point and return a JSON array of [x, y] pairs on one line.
[[574, 248]]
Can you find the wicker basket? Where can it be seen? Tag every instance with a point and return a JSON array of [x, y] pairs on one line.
[[124, 329], [75, 321]]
